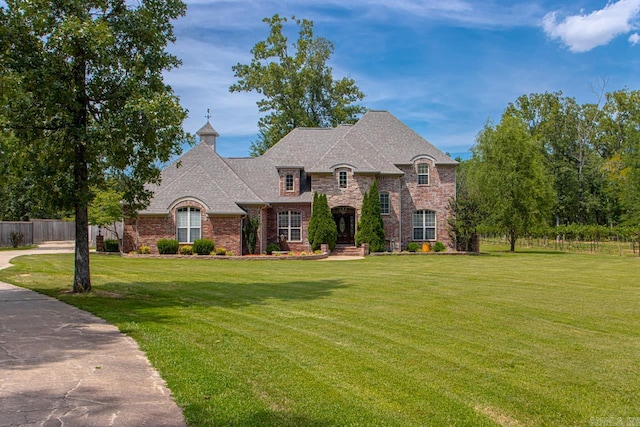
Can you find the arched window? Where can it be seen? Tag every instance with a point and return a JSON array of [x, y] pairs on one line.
[[384, 203], [290, 225], [342, 179], [189, 224], [424, 225]]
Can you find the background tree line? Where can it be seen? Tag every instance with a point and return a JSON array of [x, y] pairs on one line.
[[553, 161]]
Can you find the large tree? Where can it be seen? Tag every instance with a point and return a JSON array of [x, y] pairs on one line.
[[297, 86], [90, 103], [508, 168]]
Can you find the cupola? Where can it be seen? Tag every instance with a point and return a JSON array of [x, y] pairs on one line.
[[208, 135]]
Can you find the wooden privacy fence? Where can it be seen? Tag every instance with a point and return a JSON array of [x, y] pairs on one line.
[[37, 231], [46, 230]]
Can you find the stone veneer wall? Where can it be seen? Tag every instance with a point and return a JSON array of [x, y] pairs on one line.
[[272, 225]]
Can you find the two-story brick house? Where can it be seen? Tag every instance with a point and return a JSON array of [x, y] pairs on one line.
[[204, 195]]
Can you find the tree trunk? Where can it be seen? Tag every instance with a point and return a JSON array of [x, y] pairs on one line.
[[512, 240], [82, 278]]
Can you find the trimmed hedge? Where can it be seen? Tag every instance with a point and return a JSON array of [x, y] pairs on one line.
[[111, 245], [167, 246], [413, 247], [203, 246]]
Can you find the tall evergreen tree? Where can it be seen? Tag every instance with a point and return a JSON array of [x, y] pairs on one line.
[[371, 226], [323, 230]]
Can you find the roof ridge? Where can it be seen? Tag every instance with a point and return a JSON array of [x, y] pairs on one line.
[[241, 179]]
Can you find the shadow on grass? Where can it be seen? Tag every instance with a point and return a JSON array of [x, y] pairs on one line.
[[269, 418]]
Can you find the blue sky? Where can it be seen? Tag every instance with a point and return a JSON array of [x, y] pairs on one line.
[[442, 67]]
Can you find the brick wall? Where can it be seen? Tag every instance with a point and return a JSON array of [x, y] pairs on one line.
[[296, 182], [272, 225], [227, 233], [434, 197]]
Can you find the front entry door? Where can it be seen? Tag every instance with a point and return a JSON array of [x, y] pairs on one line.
[[345, 219]]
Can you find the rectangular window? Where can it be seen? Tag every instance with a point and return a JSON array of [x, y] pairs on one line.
[[290, 226], [342, 179], [424, 225], [288, 182], [384, 203], [423, 174], [188, 222]]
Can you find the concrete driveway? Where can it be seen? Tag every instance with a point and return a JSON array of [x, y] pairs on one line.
[[61, 366]]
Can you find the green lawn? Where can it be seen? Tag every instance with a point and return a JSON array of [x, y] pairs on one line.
[[524, 339]]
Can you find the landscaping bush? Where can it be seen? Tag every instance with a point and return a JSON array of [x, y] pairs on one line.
[[220, 251], [16, 238], [145, 250], [229, 253], [439, 247], [203, 246], [167, 246], [272, 247], [111, 245], [186, 250], [413, 247]]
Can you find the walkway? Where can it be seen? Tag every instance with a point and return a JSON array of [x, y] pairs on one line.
[[61, 366]]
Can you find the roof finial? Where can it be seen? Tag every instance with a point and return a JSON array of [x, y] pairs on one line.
[[208, 116]]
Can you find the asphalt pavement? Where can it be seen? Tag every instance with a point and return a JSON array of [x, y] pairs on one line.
[[61, 366]]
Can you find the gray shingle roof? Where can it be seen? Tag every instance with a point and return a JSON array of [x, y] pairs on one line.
[[377, 143]]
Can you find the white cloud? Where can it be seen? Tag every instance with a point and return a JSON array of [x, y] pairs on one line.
[[584, 32], [634, 39]]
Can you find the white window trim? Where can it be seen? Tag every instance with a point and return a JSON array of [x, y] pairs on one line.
[[382, 212], [424, 227], [189, 227], [289, 227], [346, 180], [427, 174], [286, 188]]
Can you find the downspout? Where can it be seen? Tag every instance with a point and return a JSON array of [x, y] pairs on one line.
[[241, 233], [400, 215]]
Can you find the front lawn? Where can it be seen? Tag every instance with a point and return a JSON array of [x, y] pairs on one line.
[[524, 339]]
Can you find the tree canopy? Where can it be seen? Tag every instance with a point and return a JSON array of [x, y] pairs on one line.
[[508, 168], [88, 102], [297, 86]]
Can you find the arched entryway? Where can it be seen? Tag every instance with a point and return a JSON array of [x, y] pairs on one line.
[[345, 218]]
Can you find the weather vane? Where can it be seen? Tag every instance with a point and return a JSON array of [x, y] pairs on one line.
[[208, 116]]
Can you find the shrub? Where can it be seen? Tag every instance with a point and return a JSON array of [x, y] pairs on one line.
[[272, 247], [144, 250], [221, 251], [16, 238], [229, 253], [167, 246], [439, 247], [186, 250], [413, 247], [203, 246], [111, 245], [371, 226]]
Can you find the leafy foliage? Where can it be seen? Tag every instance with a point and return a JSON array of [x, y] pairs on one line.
[[509, 169], [203, 246], [413, 247], [298, 89], [466, 211], [111, 245], [439, 247], [371, 226], [186, 250], [271, 248], [322, 228], [88, 101], [167, 246], [250, 230]]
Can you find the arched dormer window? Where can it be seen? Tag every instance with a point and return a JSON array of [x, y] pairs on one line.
[[189, 227]]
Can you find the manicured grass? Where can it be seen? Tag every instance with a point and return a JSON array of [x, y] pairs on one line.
[[523, 339]]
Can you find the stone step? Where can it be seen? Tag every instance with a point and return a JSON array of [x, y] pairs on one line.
[[347, 251]]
